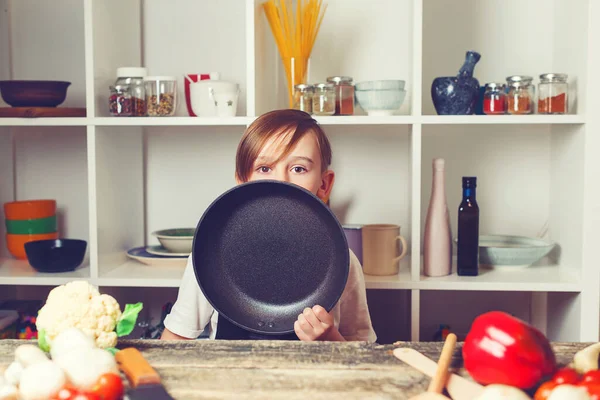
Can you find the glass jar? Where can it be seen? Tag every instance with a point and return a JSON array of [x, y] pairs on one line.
[[134, 78], [161, 95], [494, 98], [324, 99], [119, 101], [521, 93], [552, 97], [303, 97], [344, 94]]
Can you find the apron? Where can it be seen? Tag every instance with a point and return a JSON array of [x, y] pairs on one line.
[[227, 330]]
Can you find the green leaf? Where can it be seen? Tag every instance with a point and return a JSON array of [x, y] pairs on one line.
[[42, 342], [128, 318], [112, 350]]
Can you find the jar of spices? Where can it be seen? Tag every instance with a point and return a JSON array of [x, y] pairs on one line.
[[520, 95], [119, 101], [344, 94], [494, 98], [134, 78], [303, 97], [161, 93], [552, 95], [324, 99]]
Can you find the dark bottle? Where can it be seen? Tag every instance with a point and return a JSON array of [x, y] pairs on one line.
[[468, 230]]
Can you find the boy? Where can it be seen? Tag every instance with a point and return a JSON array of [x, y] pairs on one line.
[[285, 145]]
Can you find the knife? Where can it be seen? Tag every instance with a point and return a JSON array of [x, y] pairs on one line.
[[458, 387], [144, 381]]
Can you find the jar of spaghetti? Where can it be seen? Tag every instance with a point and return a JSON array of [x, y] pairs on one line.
[[324, 99], [521, 93], [303, 98], [344, 94], [494, 98], [553, 90]]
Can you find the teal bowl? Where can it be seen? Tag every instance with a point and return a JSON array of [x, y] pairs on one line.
[[380, 102], [31, 226]]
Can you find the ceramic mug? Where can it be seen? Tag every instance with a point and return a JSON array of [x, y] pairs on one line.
[[380, 249], [354, 237], [206, 95], [225, 103]]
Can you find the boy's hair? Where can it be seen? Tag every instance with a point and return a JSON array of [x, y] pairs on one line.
[[277, 123]]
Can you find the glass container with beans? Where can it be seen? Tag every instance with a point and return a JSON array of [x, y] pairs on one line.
[[324, 99], [161, 95], [134, 78], [119, 101], [303, 97], [521, 93], [552, 95], [344, 94]]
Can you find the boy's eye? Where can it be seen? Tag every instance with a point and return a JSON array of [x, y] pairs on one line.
[[299, 170], [264, 170]]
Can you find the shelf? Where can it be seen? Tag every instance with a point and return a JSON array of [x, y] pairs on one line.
[[531, 279], [17, 272], [170, 121], [365, 120], [400, 281], [503, 119], [79, 121], [136, 274]]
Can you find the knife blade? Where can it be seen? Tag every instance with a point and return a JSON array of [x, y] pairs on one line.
[[144, 381], [458, 387]]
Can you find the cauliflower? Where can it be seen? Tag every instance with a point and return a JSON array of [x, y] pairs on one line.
[[80, 305]]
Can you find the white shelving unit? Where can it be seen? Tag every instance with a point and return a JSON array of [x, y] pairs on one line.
[[118, 179]]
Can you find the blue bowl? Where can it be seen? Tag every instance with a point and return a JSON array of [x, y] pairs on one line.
[[56, 255], [380, 102]]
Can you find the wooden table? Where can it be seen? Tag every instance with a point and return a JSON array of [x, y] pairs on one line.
[[205, 369]]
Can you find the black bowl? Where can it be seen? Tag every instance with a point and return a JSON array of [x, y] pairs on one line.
[[55, 255], [34, 93]]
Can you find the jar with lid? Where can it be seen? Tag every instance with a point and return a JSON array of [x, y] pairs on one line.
[[119, 101], [521, 93], [494, 98], [161, 95], [303, 97], [324, 99], [134, 78], [552, 97], [344, 94]]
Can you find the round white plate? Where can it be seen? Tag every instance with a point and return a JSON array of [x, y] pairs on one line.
[[161, 251], [140, 254]]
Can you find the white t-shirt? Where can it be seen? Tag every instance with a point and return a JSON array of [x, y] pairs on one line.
[[191, 313]]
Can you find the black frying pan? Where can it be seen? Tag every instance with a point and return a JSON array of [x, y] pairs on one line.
[[265, 250]]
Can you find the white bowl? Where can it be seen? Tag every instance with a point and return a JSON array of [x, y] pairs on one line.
[[380, 102], [176, 240]]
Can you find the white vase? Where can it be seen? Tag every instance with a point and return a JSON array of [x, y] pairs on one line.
[[437, 247]]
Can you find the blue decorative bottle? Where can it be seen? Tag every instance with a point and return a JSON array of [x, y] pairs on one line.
[[457, 95]]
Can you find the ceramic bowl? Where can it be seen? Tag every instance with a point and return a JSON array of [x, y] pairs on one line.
[[391, 84], [506, 251], [16, 243], [29, 209], [31, 226], [59, 255], [34, 93], [177, 240], [380, 102]]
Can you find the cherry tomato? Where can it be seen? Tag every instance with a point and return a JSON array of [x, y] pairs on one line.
[[566, 376], [72, 393], [544, 390], [109, 387], [592, 376], [593, 389]]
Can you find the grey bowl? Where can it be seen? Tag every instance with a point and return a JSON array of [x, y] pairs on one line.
[[511, 251]]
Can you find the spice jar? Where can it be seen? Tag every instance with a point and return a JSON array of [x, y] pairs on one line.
[[324, 99], [494, 98], [134, 78], [552, 95], [520, 95], [344, 94], [119, 101], [161, 94], [303, 97]]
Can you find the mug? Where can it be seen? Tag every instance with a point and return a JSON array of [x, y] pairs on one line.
[[207, 94], [380, 249], [225, 103], [354, 237], [191, 78]]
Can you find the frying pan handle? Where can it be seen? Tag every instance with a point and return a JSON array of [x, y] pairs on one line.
[[404, 248]]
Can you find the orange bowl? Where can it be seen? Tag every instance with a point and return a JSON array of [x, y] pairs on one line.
[[16, 243], [29, 209]]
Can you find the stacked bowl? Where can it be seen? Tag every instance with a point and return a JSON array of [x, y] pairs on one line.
[[28, 221]]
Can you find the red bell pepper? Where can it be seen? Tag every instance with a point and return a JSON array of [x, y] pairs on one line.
[[503, 349]]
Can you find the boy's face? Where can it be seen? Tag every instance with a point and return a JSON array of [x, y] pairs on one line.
[[302, 166]]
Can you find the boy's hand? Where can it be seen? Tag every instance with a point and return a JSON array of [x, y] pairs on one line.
[[316, 324]]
